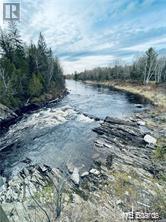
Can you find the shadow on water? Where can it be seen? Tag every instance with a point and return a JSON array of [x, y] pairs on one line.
[[131, 97]]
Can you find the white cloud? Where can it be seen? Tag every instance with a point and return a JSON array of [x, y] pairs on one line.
[[88, 62], [88, 33], [158, 43]]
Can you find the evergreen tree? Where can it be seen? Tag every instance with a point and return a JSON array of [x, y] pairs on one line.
[[43, 59], [35, 85], [26, 72]]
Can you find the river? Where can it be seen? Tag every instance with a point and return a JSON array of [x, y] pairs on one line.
[[60, 133]]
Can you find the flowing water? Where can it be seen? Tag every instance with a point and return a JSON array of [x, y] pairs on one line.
[[61, 133]]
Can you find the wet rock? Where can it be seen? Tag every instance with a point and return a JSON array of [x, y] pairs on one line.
[[125, 141], [139, 105], [27, 161], [70, 167], [95, 172], [44, 169], [118, 121], [6, 113], [150, 139], [95, 156], [109, 161], [141, 123], [2, 181], [86, 173], [26, 172], [75, 176], [120, 131], [7, 116], [47, 167]]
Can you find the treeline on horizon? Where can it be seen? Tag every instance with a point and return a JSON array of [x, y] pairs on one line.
[[28, 73], [149, 67]]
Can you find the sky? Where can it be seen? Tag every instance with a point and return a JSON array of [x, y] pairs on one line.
[[85, 34]]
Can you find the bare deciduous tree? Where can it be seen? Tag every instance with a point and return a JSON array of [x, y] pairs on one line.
[[161, 62]]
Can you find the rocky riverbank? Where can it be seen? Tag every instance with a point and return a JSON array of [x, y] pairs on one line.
[[9, 116], [126, 180], [128, 173]]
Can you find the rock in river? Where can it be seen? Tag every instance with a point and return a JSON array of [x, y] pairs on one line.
[[95, 172], [75, 176], [84, 174], [141, 123], [70, 167]]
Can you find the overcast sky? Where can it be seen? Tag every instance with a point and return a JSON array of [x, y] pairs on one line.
[[90, 33]]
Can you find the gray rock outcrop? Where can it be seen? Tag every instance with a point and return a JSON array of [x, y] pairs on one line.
[[75, 176], [123, 175], [6, 114]]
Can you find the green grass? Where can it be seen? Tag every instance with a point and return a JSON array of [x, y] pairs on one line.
[[160, 151]]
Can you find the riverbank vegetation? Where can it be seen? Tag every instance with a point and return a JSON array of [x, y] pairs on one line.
[[146, 77], [28, 73], [149, 67]]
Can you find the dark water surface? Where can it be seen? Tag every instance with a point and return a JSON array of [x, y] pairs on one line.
[[60, 134]]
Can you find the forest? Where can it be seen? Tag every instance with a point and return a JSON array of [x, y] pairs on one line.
[[146, 68], [28, 73]]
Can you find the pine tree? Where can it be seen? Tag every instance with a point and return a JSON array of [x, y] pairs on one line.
[[26, 71], [35, 85], [43, 59]]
